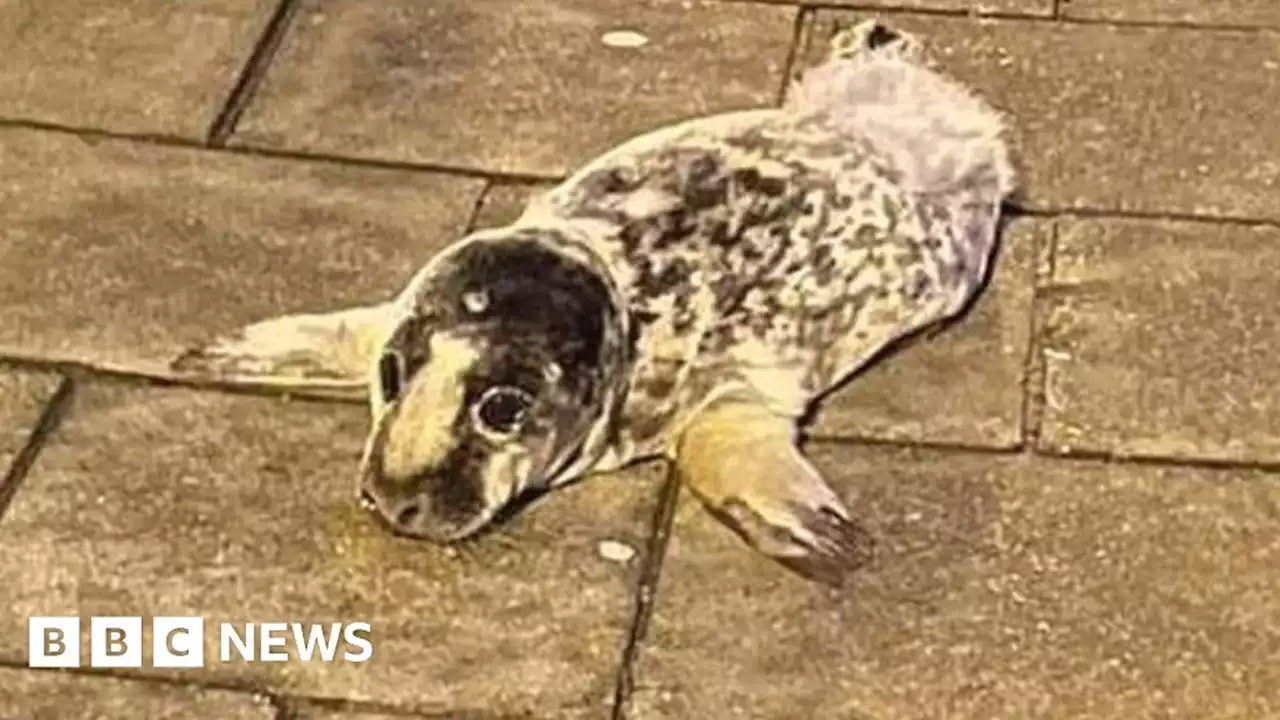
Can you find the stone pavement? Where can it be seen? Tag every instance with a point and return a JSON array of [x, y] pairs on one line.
[[1076, 489]]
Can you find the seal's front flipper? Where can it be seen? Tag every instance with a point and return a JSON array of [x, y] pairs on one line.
[[329, 351], [741, 460]]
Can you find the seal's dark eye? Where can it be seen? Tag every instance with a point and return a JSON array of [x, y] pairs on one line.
[[391, 374], [501, 410]]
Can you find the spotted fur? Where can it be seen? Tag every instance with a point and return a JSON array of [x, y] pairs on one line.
[[782, 249], [689, 293]]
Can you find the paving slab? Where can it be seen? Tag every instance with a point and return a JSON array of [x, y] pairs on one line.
[[503, 202], [529, 89], [1005, 587], [963, 385], [1097, 128], [1239, 13], [147, 66], [1031, 8], [242, 509], [1161, 341], [121, 254], [23, 395], [53, 695]]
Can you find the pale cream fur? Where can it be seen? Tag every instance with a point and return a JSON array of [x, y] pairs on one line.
[[422, 433]]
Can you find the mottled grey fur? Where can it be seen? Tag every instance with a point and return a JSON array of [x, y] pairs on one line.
[[783, 249], [707, 280]]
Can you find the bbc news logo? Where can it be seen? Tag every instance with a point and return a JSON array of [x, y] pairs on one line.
[[178, 642]]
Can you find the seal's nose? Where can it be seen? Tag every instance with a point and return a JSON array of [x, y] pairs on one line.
[[412, 515], [402, 514], [406, 516]]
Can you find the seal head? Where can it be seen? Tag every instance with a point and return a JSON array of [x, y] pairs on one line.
[[492, 383]]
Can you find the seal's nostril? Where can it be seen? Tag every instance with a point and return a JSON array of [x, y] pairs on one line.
[[408, 514]]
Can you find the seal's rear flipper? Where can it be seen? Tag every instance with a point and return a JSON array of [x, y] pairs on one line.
[[331, 351], [877, 88], [741, 461]]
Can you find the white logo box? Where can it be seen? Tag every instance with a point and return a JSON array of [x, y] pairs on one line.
[[115, 642]]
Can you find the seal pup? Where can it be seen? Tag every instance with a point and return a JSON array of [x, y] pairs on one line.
[[688, 294]]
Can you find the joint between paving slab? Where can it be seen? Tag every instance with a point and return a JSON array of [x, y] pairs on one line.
[[800, 31], [854, 440], [873, 9], [1270, 467], [91, 134], [1034, 369], [253, 72], [50, 418], [286, 707], [1051, 17], [1188, 25], [83, 372], [500, 178], [1088, 213], [381, 164], [646, 591], [180, 143], [1049, 453], [289, 707], [477, 206], [185, 683]]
